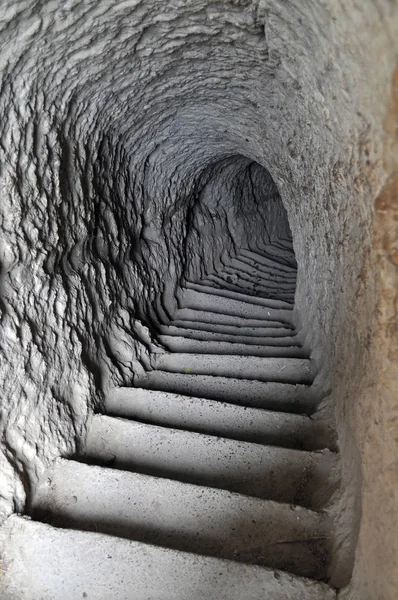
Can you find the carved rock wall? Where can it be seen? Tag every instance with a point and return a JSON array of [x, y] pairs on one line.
[[128, 136]]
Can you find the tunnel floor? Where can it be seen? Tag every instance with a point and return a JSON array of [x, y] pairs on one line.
[[213, 468]]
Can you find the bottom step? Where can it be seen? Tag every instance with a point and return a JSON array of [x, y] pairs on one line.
[[186, 517], [40, 562]]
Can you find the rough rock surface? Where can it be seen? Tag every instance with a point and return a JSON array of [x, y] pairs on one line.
[[128, 132], [374, 416]]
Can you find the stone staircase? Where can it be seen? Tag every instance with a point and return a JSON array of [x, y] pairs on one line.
[[208, 479]]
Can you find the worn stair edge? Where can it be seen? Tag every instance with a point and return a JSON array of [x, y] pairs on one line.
[[41, 562], [268, 472], [192, 346], [270, 333], [227, 306], [202, 334], [277, 269], [245, 266], [269, 267], [249, 340], [263, 260], [220, 418], [225, 278], [271, 308], [284, 258], [280, 251], [286, 397], [216, 318], [267, 263], [280, 370], [185, 517], [226, 290], [244, 281], [255, 291], [236, 275], [242, 267]]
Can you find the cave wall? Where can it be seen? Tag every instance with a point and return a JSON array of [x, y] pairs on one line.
[[373, 415], [115, 118]]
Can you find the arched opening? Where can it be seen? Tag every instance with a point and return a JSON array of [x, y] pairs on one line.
[[238, 209]]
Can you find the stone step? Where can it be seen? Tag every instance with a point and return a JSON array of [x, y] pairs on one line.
[[255, 277], [220, 419], [275, 292], [267, 472], [280, 370], [239, 296], [280, 249], [276, 248], [185, 344], [259, 329], [267, 261], [247, 337], [231, 303], [215, 318], [282, 241], [44, 562], [245, 265], [220, 333], [284, 397], [282, 254], [227, 279], [229, 276], [185, 517]]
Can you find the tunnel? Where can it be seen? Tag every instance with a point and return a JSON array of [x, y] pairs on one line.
[[198, 291]]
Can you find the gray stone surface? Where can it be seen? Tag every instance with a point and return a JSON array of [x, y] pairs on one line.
[[281, 370], [220, 418], [183, 516], [232, 303], [198, 475], [281, 474], [201, 316], [128, 131], [182, 344], [100, 567], [286, 397], [265, 336]]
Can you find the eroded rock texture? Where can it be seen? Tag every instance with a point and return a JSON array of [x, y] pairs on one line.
[[140, 143]]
